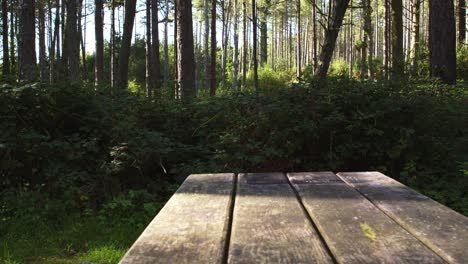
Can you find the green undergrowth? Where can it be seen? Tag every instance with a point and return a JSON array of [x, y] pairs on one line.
[[83, 171]]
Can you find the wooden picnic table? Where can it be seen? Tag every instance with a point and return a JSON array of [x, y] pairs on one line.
[[313, 217]]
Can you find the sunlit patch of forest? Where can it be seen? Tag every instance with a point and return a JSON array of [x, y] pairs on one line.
[[94, 142]]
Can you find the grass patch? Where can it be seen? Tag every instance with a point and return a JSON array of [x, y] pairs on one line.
[[75, 241]]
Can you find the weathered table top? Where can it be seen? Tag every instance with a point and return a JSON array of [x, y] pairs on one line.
[[313, 217]]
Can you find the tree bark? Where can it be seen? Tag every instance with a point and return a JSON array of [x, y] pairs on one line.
[[185, 57], [27, 43], [442, 41], [99, 35], [166, 46], [113, 47], [236, 47], [298, 41], [124, 54], [331, 35], [206, 50], [415, 35], [254, 41], [42, 45], [369, 37], [398, 57], [6, 52], [213, 49], [156, 56], [244, 45], [264, 32], [148, 49], [387, 34], [72, 42], [461, 21]]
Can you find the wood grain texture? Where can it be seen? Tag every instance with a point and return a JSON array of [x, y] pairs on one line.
[[442, 229], [269, 225], [353, 228], [192, 226]]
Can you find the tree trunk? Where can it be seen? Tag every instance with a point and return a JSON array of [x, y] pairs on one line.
[[298, 41], [156, 57], [72, 42], [166, 47], [13, 34], [387, 34], [98, 27], [124, 54], [415, 37], [236, 47], [42, 45], [369, 37], [461, 21], [315, 39], [213, 49], [55, 49], [27, 43], [264, 33], [244, 45], [185, 57], [398, 57], [331, 35], [442, 40], [82, 39], [113, 47], [206, 50], [148, 49], [254, 41], [6, 53]]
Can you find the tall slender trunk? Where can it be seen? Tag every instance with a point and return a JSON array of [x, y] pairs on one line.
[[166, 46], [72, 42], [82, 37], [351, 43], [213, 49], [156, 57], [254, 41], [124, 54], [113, 47], [264, 32], [315, 39], [206, 51], [148, 57], [27, 43], [244, 45], [461, 21], [387, 34], [42, 45], [13, 33], [442, 40], [298, 42], [398, 58], [185, 57], [330, 38], [415, 37], [225, 40], [177, 88], [236, 47], [6, 53], [369, 37], [99, 35]]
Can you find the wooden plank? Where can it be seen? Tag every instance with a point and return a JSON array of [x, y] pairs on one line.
[[270, 226], [192, 226], [353, 228], [440, 228]]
